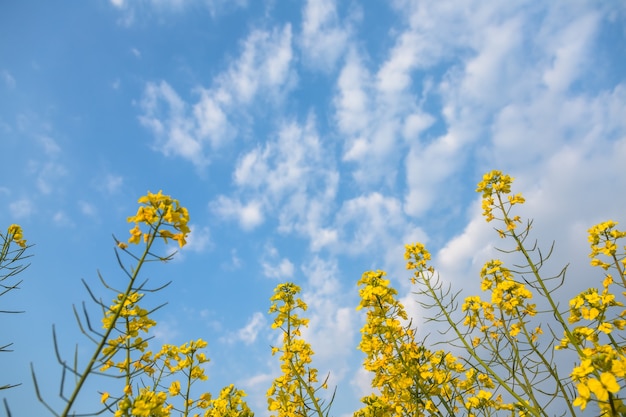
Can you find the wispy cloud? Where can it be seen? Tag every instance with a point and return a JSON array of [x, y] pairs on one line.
[[249, 333], [49, 145], [133, 10], [111, 183], [324, 37], [172, 127], [262, 72], [249, 215], [22, 208], [332, 318], [8, 79], [62, 219], [47, 175], [264, 66], [295, 178], [87, 209], [276, 267], [198, 240]]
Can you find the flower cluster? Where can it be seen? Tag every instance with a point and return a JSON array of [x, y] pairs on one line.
[[499, 335], [603, 238], [417, 258], [148, 403], [294, 392], [493, 187], [173, 370], [229, 403], [156, 212], [598, 317], [411, 379], [15, 234], [508, 296], [129, 320], [182, 363]]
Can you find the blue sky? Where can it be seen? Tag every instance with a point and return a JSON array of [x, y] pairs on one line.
[[310, 140]]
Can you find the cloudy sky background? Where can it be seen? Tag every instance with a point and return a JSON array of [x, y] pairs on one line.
[[310, 141]]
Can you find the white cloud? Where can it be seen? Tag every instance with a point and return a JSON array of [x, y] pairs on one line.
[[496, 62], [167, 331], [217, 7], [145, 8], [49, 145], [369, 126], [332, 327], [282, 270], [263, 66], [415, 124], [262, 72], [568, 47], [352, 99], [8, 79], [198, 240], [212, 122], [427, 167], [249, 333], [47, 175], [324, 37], [110, 183], [369, 223], [283, 164], [61, 219], [361, 382], [274, 266], [87, 208], [296, 179], [395, 74], [174, 130], [233, 263], [248, 215], [371, 122], [22, 208], [499, 75]]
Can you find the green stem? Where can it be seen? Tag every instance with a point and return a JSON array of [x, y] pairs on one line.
[[301, 382], [94, 358], [546, 293], [186, 413], [551, 369], [470, 349]]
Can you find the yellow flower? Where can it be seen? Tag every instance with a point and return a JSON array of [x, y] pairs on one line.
[[158, 211], [135, 235], [598, 389], [609, 382], [15, 233], [174, 388]]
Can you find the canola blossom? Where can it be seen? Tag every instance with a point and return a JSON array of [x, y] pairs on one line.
[[157, 214], [11, 265], [16, 234], [294, 392], [498, 354]]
